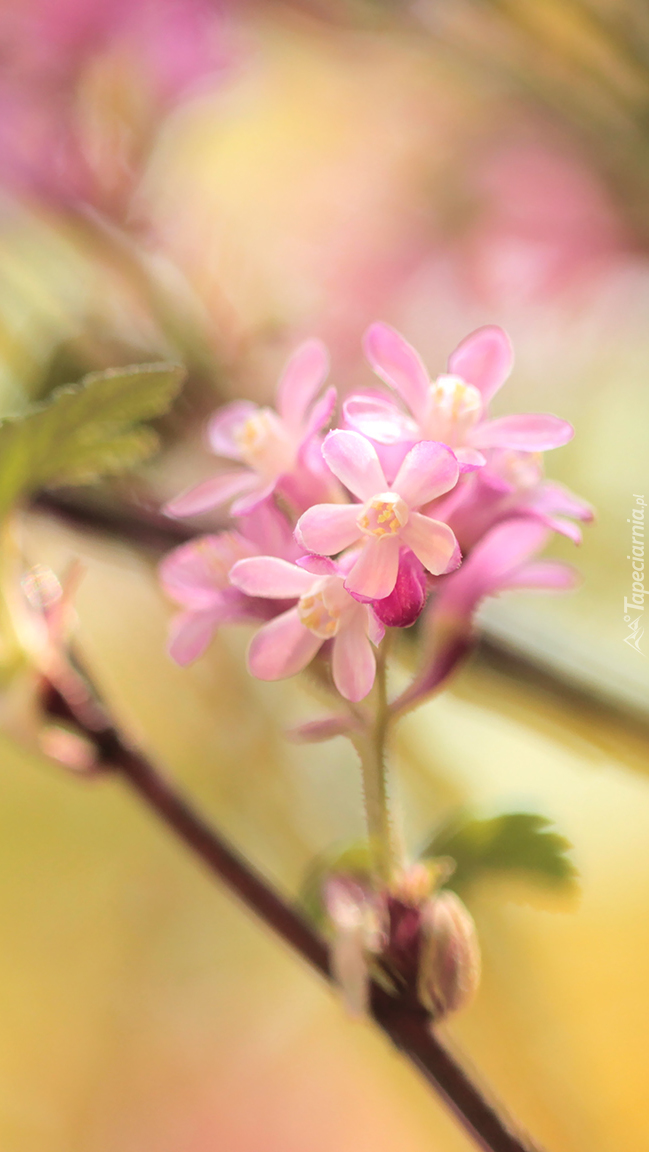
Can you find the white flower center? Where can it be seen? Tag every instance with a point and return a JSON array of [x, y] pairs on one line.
[[321, 610], [383, 515], [454, 408], [264, 444]]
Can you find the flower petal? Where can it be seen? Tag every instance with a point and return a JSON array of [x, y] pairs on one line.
[[483, 359], [396, 362], [219, 490], [317, 565], [282, 647], [469, 459], [301, 381], [380, 419], [328, 528], [374, 574], [429, 470], [196, 573], [487, 568], [320, 414], [270, 577], [223, 425], [355, 463], [431, 541], [353, 664], [544, 575], [190, 634], [252, 499], [406, 601], [524, 433]]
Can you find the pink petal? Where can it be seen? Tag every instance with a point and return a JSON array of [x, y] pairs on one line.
[[270, 577], [328, 528], [282, 647], [524, 433], [224, 423], [353, 664], [379, 419], [429, 470], [397, 363], [301, 381], [483, 359], [320, 414], [219, 490], [469, 459], [431, 541], [253, 499], [544, 575], [196, 573], [560, 525], [375, 627], [374, 574], [317, 565], [553, 497], [190, 634], [488, 567], [353, 460]]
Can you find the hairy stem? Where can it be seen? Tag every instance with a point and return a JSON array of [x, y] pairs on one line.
[[371, 749]]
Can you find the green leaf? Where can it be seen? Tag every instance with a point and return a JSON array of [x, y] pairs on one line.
[[86, 430], [516, 842], [353, 860]]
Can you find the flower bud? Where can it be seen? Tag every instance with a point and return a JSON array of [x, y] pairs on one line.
[[449, 960]]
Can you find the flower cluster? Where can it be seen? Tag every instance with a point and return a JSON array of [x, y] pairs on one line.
[[418, 496]]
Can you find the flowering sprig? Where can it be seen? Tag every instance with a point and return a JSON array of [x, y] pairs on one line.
[[420, 504]]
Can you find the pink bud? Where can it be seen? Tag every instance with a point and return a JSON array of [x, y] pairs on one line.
[[406, 602], [449, 960]]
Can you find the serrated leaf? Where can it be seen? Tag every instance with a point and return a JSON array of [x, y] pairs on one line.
[[516, 842], [85, 430], [354, 860]]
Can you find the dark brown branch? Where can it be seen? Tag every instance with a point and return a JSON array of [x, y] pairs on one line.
[[407, 1025]]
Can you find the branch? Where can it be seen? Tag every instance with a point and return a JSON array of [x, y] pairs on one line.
[[406, 1024]]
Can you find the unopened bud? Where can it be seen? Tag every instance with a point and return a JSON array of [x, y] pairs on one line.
[[449, 960]]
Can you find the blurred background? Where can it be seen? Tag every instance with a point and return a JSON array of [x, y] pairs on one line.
[[214, 182]]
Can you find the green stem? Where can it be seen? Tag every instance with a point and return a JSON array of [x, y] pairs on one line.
[[371, 749]]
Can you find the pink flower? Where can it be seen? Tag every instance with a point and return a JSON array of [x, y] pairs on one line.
[[387, 518], [325, 611], [500, 562], [276, 447], [195, 576], [512, 484], [451, 409]]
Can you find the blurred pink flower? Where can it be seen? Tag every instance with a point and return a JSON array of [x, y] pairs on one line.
[[452, 409], [275, 446], [325, 611], [56, 142], [387, 518]]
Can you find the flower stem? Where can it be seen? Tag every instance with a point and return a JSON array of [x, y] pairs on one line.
[[370, 746]]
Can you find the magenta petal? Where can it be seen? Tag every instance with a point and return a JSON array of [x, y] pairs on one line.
[[328, 528], [301, 381], [190, 634], [270, 577], [545, 576], [380, 419], [353, 460], [406, 601], [374, 574], [219, 490], [525, 433], [484, 359], [429, 470], [353, 663], [431, 541], [397, 363], [282, 647], [223, 425]]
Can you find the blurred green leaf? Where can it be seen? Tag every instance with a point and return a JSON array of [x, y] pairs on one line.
[[516, 842], [86, 430], [353, 860]]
